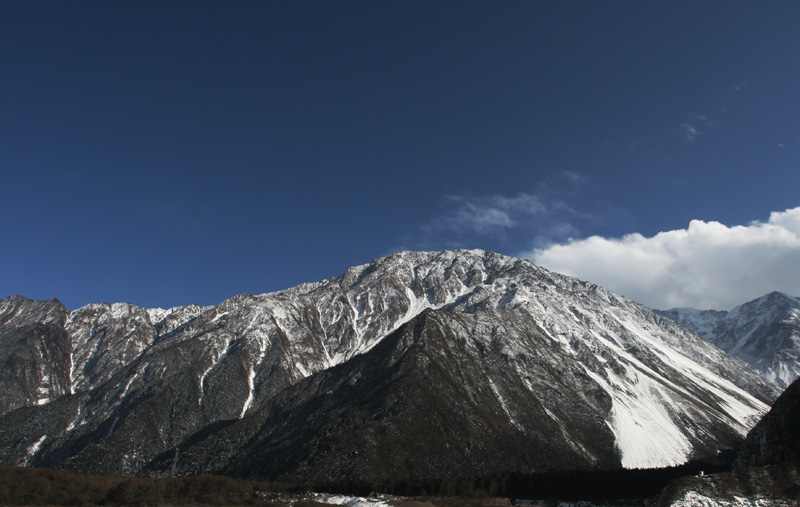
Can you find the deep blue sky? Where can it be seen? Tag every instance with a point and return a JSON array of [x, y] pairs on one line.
[[166, 153]]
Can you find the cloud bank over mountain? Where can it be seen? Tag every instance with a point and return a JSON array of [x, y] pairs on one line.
[[708, 265]]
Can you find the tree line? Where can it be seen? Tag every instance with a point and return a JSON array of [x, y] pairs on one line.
[[41, 486]]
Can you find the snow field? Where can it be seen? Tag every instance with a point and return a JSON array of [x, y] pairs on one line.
[[694, 499], [351, 501]]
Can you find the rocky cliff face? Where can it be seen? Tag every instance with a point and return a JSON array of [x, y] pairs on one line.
[[35, 352], [775, 440], [417, 363]]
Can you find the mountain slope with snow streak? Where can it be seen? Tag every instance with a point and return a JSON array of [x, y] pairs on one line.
[[149, 384], [766, 471]]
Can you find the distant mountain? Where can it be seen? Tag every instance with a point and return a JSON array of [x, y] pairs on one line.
[[414, 366], [764, 333]]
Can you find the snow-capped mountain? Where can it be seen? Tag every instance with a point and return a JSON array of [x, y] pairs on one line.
[[764, 333], [417, 364]]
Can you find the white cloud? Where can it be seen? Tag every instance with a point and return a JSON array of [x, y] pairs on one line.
[[741, 85], [505, 223], [486, 215], [707, 265], [696, 124], [690, 132]]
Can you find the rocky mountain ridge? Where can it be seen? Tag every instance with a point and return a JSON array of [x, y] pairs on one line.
[[764, 333], [494, 354]]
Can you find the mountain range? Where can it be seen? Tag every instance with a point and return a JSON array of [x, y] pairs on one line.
[[764, 333], [416, 365]]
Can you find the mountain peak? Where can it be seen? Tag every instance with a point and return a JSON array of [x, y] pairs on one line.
[[41, 311], [772, 300]]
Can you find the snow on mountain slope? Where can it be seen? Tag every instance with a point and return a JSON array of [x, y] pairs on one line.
[[764, 333], [648, 402], [144, 381]]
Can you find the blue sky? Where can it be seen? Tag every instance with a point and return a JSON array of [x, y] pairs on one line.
[[168, 153]]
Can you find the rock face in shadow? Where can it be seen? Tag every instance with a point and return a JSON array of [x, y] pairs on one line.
[[769, 460], [417, 363], [766, 470], [775, 440]]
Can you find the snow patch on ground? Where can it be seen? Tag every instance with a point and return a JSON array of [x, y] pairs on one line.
[[695, 499], [351, 501]]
